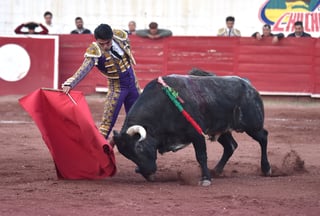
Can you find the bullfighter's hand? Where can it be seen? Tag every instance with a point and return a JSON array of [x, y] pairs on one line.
[[66, 89]]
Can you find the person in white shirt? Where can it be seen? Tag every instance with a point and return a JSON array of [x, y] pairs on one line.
[[48, 23], [229, 31]]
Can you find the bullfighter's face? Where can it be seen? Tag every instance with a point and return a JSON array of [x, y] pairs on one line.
[[104, 44], [142, 153]]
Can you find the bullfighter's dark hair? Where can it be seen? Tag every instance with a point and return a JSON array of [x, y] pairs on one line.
[[230, 18], [103, 31]]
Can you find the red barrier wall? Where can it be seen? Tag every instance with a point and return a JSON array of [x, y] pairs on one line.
[[290, 67], [43, 57], [71, 51]]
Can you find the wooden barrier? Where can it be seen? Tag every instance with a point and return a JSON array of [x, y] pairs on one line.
[[28, 63], [290, 67]]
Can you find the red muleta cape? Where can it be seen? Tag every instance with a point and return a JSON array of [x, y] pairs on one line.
[[78, 149]]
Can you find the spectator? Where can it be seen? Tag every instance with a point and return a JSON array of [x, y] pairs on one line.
[[80, 29], [229, 31], [299, 30], [154, 32], [266, 32], [48, 23], [31, 28], [131, 28], [111, 54]]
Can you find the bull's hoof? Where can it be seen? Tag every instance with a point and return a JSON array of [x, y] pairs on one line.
[[137, 170], [205, 183], [151, 178], [268, 173], [216, 172], [266, 169]]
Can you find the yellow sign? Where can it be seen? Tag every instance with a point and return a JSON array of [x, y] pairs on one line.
[[282, 14]]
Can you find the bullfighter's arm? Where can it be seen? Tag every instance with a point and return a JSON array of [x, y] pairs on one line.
[[83, 70]]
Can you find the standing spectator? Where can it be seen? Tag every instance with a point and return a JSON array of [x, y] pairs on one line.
[[131, 28], [229, 31], [80, 29], [154, 32], [266, 32], [111, 54], [31, 28], [48, 23], [299, 30]]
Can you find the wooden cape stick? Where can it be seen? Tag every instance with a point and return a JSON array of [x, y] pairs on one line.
[[60, 90]]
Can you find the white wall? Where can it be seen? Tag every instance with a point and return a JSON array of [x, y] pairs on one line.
[[183, 17]]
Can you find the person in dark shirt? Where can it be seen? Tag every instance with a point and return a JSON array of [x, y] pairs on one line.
[[266, 32], [154, 32], [80, 29], [31, 28], [299, 30]]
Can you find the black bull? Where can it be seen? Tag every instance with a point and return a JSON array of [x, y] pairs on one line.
[[219, 105]]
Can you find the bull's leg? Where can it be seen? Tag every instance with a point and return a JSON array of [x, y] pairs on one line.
[[262, 137], [200, 147], [229, 145]]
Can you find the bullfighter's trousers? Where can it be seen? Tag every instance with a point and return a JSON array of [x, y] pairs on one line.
[[120, 91]]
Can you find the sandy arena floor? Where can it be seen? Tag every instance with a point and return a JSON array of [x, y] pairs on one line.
[[29, 186]]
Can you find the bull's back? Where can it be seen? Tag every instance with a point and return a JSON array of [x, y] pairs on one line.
[[208, 99], [149, 106], [220, 99], [213, 90]]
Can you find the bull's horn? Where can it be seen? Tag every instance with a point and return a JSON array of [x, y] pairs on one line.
[[137, 129]]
